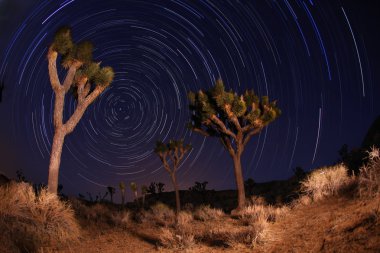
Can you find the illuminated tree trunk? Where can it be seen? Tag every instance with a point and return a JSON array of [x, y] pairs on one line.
[[55, 160], [239, 181], [177, 201]]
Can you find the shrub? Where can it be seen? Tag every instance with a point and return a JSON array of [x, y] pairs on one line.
[[206, 213], [326, 181], [160, 214], [253, 213], [101, 213], [181, 236], [30, 223], [369, 177]]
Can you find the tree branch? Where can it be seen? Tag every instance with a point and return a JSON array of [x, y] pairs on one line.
[[232, 117], [201, 131], [70, 76], [250, 134], [54, 80], [94, 94], [227, 143], [222, 126]]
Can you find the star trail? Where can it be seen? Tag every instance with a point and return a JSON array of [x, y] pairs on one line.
[[316, 58]]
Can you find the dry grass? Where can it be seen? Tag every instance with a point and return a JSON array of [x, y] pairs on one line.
[[206, 213], [181, 236], [369, 177], [326, 181], [101, 213], [30, 223]]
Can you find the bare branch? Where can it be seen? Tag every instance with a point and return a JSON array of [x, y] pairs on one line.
[[201, 131], [232, 117], [54, 80], [222, 126], [250, 134], [94, 94], [227, 143], [70, 75]]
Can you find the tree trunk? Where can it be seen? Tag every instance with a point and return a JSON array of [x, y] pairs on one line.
[[55, 160], [239, 181], [177, 201]]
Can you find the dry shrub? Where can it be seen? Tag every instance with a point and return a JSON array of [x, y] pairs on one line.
[[255, 220], [30, 223], [258, 200], [101, 213], [369, 177], [253, 213], [181, 236], [303, 200], [326, 181], [206, 213], [159, 214], [236, 237]]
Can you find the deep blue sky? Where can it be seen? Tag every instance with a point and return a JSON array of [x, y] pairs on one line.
[[319, 59]]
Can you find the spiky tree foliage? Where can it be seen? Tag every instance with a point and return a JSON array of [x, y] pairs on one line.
[[84, 77], [111, 191], [171, 155], [134, 188], [122, 190], [232, 118]]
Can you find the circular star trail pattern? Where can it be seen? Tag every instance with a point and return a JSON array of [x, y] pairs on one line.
[[307, 55]]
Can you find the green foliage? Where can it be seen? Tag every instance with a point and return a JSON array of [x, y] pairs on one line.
[[171, 146], [84, 51], [133, 186], [62, 40], [247, 107], [238, 106], [104, 76]]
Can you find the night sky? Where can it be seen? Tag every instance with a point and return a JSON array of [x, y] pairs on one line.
[[319, 59]]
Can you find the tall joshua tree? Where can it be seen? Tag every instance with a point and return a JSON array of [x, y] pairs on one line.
[[84, 77], [171, 155], [233, 118]]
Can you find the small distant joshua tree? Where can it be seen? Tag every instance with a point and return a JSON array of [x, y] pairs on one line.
[[232, 118], [122, 190], [134, 188], [144, 191], [174, 152], [160, 187], [111, 191], [84, 77]]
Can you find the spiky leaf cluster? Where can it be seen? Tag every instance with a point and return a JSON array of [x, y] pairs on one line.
[[63, 42], [171, 146], [133, 186], [247, 108], [80, 53]]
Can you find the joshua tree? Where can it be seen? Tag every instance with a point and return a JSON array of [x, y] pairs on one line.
[[175, 152], [134, 188], [84, 77], [144, 191], [160, 187], [233, 118], [122, 190], [111, 191], [152, 188]]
